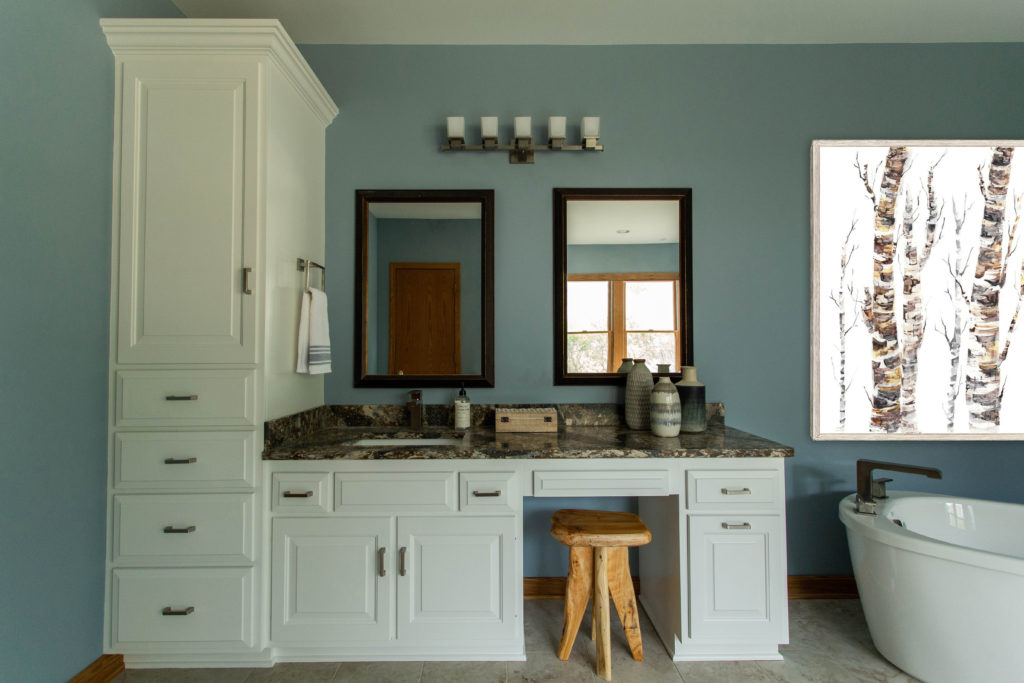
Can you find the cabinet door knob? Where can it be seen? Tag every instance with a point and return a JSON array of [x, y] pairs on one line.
[[736, 492], [186, 397], [297, 494], [179, 529], [179, 461], [246, 273], [401, 561], [486, 494], [739, 525], [380, 562], [171, 612]]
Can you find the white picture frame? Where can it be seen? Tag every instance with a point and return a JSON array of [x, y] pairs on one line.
[[907, 342]]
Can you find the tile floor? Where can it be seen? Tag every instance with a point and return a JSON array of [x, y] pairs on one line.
[[829, 643]]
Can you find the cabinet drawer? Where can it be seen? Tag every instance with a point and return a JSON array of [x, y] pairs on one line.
[[486, 491], [306, 491], [183, 529], [568, 483], [152, 460], [720, 489], [153, 398], [394, 492], [208, 607]]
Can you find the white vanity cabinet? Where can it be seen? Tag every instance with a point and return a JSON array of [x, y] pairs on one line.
[[435, 578], [219, 189]]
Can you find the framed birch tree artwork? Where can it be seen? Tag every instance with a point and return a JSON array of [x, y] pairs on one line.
[[917, 289]]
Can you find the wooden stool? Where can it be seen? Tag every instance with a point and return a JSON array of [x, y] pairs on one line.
[[599, 559]]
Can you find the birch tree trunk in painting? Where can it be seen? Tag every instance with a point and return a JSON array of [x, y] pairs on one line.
[[845, 289], [913, 308], [885, 363], [958, 297], [983, 390]]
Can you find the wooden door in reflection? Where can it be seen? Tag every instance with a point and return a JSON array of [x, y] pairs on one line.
[[424, 329]]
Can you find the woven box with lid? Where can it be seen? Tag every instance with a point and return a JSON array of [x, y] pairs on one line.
[[525, 420]]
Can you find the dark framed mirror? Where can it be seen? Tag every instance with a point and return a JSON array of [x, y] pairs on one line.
[[623, 275], [424, 288]]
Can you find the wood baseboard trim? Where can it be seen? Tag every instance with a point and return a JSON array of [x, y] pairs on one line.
[[801, 587], [817, 587], [103, 670], [553, 587]]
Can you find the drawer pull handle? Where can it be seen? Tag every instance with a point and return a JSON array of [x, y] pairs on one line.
[[740, 525], [179, 529], [179, 461], [736, 492], [380, 562], [297, 494], [190, 397], [401, 561], [246, 273], [486, 494], [171, 612]]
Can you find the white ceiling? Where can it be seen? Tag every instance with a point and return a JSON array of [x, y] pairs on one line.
[[648, 221], [619, 22]]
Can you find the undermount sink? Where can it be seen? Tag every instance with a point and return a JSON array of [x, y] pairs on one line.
[[408, 442]]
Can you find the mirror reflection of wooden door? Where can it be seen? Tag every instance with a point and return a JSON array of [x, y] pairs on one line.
[[424, 335]]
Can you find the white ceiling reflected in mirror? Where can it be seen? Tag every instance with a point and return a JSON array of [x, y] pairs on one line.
[[623, 281], [424, 264]]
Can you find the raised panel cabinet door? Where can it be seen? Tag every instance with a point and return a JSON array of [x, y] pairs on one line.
[[459, 578], [737, 577], [330, 580], [187, 211]]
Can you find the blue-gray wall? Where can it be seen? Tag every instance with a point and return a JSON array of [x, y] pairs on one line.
[[56, 118], [622, 258], [734, 123], [423, 240]]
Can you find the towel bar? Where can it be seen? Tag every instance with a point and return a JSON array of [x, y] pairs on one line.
[[308, 265]]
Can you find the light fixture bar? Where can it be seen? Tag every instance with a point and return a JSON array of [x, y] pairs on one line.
[[522, 146]]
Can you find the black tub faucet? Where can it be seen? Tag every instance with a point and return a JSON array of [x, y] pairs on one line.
[[868, 489]]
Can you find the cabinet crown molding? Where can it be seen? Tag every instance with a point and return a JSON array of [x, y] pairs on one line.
[[262, 37]]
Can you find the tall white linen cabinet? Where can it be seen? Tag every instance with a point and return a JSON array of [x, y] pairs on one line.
[[218, 190]]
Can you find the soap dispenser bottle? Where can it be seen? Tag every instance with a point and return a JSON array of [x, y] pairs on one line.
[[462, 409]]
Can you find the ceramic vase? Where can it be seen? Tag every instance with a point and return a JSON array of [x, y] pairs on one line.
[[665, 408], [694, 413], [639, 383], [627, 365]]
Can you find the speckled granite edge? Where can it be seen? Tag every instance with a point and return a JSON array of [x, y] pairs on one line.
[[290, 427], [573, 442]]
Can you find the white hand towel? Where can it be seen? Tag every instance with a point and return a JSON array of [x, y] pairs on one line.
[[314, 356]]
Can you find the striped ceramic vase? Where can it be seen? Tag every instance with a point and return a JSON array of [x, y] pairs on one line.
[[665, 410]]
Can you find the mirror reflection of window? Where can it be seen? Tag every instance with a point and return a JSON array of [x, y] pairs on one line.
[[622, 290]]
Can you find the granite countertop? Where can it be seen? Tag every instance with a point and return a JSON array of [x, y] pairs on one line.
[[313, 438]]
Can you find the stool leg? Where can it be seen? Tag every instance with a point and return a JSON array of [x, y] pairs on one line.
[[603, 638], [620, 584], [577, 594]]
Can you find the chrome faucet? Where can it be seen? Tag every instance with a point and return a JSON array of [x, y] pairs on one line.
[[415, 409], [868, 489]]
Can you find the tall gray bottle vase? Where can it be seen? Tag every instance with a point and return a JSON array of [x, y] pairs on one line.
[[693, 402], [639, 383]]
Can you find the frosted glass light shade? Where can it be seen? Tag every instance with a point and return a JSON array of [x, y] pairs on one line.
[[556, 127], [456, 127], [591, 126], [522, 127], [488, 126]]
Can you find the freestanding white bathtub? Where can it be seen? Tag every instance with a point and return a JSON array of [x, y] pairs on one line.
[[943, 594]]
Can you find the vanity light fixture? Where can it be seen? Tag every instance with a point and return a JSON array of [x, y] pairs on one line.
[[522, 146]]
